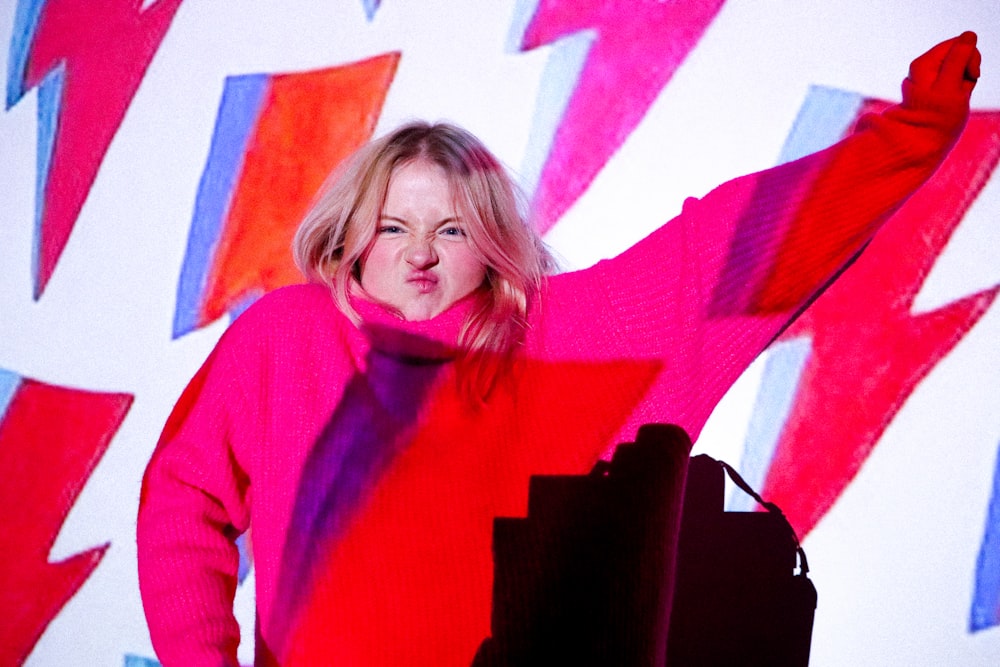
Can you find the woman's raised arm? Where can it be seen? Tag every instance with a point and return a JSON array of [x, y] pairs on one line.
[[708, 291]]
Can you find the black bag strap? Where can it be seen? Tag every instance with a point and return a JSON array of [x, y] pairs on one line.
[[770, 507]]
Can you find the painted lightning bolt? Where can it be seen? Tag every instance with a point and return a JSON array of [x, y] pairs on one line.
[[87, 61], [636, 49], [51, 438], [371, 6], [868, 350], [277, 138]]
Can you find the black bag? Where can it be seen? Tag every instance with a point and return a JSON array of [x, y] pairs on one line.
[[587, 578], [737, 600]]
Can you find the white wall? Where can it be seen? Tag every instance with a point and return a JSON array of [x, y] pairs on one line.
[[894, 561]]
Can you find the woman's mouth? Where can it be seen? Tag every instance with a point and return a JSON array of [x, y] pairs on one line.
[[424, 281]]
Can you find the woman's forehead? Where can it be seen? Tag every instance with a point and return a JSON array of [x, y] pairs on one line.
[[461, 195]]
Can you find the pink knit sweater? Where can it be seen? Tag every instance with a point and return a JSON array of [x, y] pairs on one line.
[[370, 486]]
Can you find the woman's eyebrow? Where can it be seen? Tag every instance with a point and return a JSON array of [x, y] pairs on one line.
[[393, 218], [444, 221]]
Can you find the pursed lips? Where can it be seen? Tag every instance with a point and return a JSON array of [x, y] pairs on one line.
[[424, 281]]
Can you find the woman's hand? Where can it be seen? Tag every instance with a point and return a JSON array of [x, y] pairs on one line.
[[950, 69]]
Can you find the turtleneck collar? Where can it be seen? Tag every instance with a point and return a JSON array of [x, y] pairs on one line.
[[430, 340]]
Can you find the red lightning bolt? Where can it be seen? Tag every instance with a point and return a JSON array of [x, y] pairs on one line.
[[102, 50], [50, 441], [309, 124], [638, 48], [868, 351], [429, 595]]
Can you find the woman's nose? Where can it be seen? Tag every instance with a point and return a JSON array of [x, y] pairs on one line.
[[420, 253]]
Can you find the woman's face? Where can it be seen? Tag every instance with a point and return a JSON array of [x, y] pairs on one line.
[[421, 261]]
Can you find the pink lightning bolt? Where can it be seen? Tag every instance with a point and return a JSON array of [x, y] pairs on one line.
[[869, 352], [637, 49], [91, 58]]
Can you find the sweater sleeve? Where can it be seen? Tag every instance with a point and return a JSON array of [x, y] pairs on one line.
[[709, 290], [193, 505]]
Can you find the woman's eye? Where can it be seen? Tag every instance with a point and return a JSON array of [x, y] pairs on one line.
[[389, 229], [453, 231]]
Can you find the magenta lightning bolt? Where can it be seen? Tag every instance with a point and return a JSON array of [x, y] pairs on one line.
[[637, 48], [87, 59]]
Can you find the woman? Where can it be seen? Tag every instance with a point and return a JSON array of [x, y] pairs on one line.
[[419, 221], [370, 438]]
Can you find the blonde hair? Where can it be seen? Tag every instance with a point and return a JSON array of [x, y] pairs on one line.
[[341, 226]]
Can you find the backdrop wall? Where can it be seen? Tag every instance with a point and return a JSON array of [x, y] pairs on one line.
[[156, 160]]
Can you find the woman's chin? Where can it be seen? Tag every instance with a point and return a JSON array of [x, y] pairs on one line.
[[419, 310]]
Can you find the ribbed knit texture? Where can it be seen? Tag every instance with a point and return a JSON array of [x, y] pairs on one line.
[[370, 485]]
